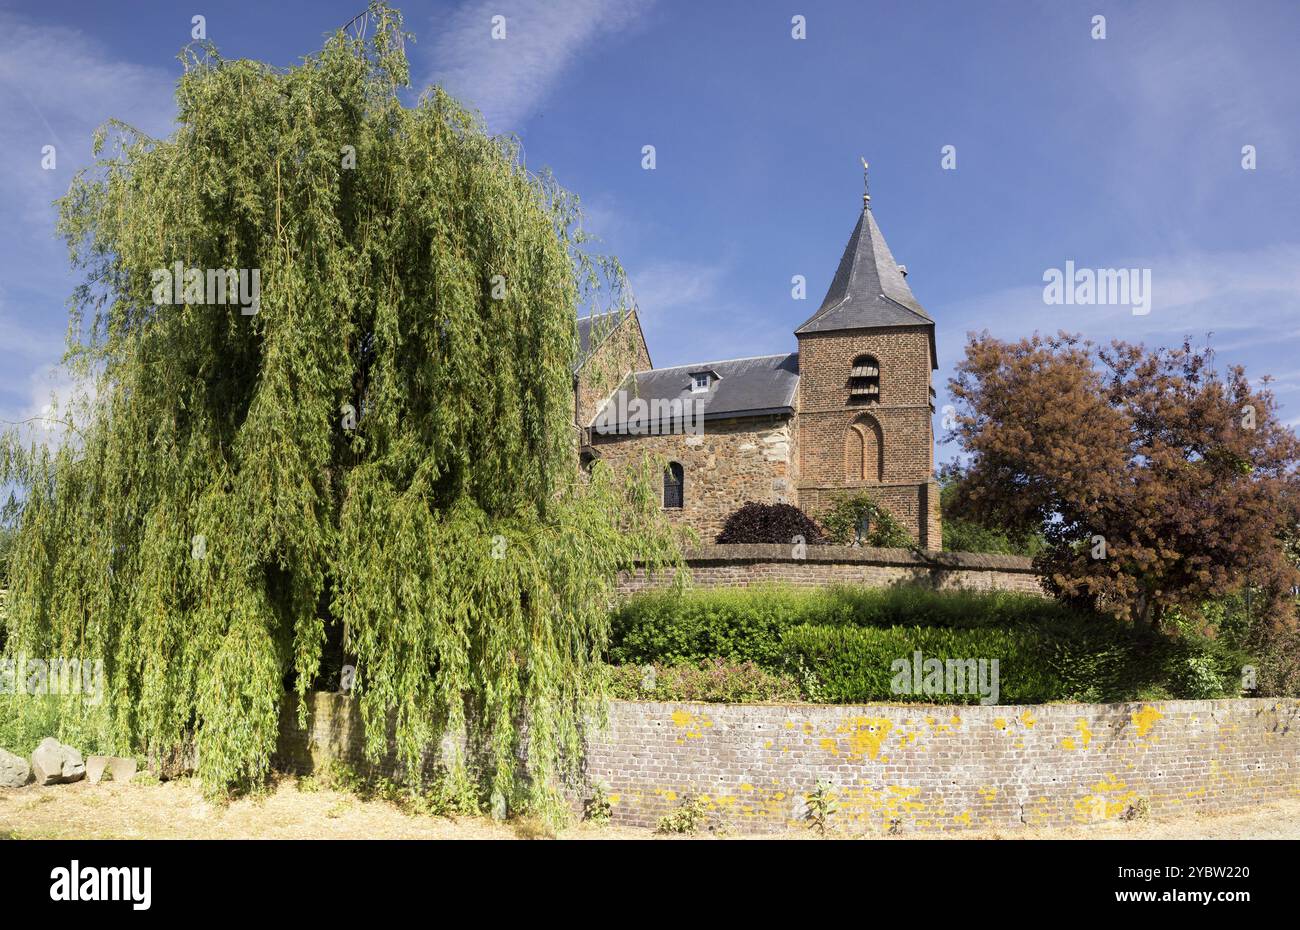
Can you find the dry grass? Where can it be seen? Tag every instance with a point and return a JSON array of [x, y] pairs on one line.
[[177, 810]]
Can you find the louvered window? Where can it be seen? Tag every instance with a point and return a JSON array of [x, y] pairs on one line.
[[864, 380]]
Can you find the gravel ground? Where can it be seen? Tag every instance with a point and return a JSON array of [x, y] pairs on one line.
[[177, 810]]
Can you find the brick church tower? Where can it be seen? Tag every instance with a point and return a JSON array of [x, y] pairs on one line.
[[865, 401]]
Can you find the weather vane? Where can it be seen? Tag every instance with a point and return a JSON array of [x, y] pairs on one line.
[[866, 195]]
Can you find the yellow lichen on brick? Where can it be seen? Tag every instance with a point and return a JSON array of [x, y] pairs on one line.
[[1085, 736], [865, 735], [1111, 798], [1145, 719], [693, 724]]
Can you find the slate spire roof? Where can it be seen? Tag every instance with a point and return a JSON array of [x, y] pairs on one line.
[[869, 288]]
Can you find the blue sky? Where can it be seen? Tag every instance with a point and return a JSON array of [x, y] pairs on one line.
[[1117, 153]]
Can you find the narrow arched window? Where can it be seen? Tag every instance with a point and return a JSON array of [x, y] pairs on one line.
[[864, 380], [674, 485]]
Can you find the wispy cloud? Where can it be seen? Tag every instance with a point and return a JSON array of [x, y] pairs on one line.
[[1246, 298], [690, 314], [56, 86], [50, 401], [1249, 300], [507, 78]]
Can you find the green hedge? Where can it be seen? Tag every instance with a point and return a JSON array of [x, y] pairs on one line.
[[748, 624], [715, 681], [849, 665], [840, 643]]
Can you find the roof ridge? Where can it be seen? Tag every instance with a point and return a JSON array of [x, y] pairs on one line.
[[720, 361]]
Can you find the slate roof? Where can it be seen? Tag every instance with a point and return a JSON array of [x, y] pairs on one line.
[[744, 386], [868, 290]]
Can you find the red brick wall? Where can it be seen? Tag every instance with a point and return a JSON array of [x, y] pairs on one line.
[[739, 566], [831, 459]]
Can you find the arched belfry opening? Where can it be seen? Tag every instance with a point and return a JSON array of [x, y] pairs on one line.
[[864, 381]]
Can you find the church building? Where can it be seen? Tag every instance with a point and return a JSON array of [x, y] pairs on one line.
[[850, 412]]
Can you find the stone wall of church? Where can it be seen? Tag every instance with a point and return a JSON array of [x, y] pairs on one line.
[[623, 350], [832, 458], [731, 462]]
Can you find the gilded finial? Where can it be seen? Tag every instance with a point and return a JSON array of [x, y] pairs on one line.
[[866, 193]]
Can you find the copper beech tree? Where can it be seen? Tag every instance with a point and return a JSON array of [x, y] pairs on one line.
[[1156, 480]]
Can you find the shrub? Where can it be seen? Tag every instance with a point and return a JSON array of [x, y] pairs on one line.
[[1274, 648], [821, 807], [747, 625], [852, 665], [27, 719], [838, 645], [962, 534], [769, 523], [968, 536], [688, 628], [712, 681], [599, 808], [846, 515], [686, 818]]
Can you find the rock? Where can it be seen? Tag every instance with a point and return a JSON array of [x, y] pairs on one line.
[[122, 769], [14, 770], [95, 766], [118, 768], [54, 763]]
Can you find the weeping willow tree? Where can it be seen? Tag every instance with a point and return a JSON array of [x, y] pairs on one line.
[[384, 450]]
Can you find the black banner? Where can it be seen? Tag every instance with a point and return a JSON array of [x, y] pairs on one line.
[[367, 879]]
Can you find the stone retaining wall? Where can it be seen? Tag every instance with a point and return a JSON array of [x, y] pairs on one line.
[[901, 768]]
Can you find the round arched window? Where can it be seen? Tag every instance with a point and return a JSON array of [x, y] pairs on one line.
[[864, 380]]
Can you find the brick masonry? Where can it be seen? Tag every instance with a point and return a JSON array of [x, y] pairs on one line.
[[740, 566], [904, 768], [885, 447], [830, 446]]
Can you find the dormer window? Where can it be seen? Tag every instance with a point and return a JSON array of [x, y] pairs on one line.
[[864, 381], [700, 381]]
